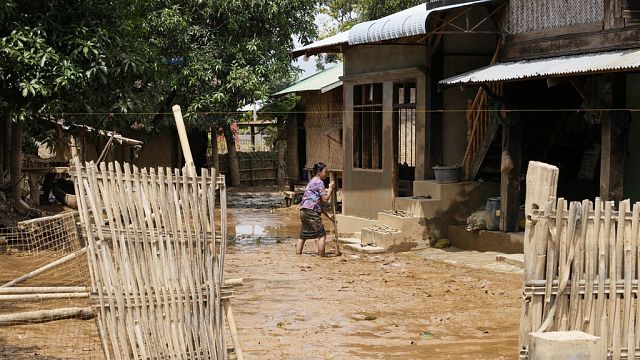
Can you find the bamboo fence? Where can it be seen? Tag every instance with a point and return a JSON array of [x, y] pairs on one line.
[[584, 273], [156, 268], [256, 168], [44, 278]]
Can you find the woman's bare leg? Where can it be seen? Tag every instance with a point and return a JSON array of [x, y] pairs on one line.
[[321, 243], [299, 246]]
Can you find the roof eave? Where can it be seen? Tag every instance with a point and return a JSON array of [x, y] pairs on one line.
[[329, 49]]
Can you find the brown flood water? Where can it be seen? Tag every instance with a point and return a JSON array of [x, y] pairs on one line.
[[390, 306]]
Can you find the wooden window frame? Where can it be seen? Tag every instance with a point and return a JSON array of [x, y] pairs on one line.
[[367, 126]]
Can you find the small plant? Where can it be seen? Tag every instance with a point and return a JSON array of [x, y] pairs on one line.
[[442, 244]]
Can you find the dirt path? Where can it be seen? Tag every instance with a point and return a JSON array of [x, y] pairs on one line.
[[390, 306]]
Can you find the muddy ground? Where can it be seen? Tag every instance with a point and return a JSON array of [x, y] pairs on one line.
[[390, 306]]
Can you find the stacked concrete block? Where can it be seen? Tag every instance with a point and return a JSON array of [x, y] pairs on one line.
[[381, 235]]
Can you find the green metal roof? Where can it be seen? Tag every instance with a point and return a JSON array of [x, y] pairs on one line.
[[329, 78]]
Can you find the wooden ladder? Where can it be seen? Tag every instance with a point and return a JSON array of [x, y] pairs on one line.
[[481, 128]]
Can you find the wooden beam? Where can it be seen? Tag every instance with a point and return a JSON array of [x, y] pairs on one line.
[[253, 137], [563, 31], [612, 144], [572, 44], [433, 120], [510, 180], [613, 14]]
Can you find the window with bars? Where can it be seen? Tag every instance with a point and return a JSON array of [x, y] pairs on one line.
[[404, 118], [367, 126]]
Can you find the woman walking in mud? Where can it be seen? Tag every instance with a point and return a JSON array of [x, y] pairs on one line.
[[311, 207]]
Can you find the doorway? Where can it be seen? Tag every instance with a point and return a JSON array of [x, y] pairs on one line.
[[404, 136]]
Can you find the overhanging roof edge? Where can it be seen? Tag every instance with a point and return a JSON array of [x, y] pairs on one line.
[[561, 66], [405, 23]]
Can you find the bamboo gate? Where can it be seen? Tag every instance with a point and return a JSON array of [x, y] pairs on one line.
[[156, 248], [582, 273]]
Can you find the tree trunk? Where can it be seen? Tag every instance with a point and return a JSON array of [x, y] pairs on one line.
[[15, 169], [234, 169], [215, 162], [282, 152], [6, 142]]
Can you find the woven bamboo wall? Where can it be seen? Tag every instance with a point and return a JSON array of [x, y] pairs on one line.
[[323, 125], [533, 15]]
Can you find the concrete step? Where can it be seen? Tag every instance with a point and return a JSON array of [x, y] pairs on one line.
[[349, 240], [420, 207], [427, 188], [412, 228], [365, 249]]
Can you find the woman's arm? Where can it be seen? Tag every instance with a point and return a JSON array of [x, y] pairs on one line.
[[326, 197], [324, 211]]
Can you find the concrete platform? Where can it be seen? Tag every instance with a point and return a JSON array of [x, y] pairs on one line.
[[442, 205], [352, 224], [474, 259], [354, 244], [484, 240]]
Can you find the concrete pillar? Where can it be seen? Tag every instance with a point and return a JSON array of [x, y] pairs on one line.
[[566, 345]]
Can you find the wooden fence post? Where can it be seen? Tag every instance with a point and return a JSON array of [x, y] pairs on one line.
[[542, 185]]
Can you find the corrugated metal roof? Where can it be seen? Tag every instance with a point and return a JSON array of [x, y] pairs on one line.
[[622, 60], [409, 22], [317, 81], [331, 41]]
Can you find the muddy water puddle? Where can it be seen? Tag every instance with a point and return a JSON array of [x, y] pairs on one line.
[[251, 228]]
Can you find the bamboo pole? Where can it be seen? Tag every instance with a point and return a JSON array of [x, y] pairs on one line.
[[31, 317], [44, 290], [233, 331], [45, 268], [45, 296], [334, 201], [184, 140]]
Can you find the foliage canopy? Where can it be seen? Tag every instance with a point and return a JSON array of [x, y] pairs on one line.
[[87, 61]]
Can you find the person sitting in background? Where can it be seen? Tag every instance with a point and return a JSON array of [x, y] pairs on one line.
[[311, 208]]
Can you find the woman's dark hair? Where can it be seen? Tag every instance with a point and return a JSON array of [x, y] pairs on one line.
[[319, 166]]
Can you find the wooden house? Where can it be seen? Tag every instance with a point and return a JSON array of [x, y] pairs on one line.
[[315, 128], [569, 72]]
